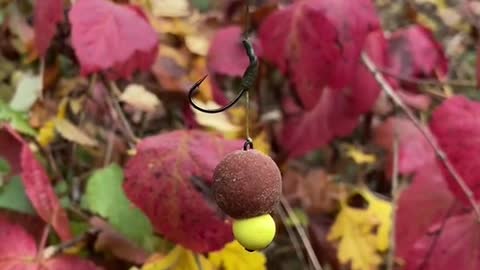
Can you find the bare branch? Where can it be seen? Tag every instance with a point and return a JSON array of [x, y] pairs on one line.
[[411, 116], [303, 235], [395, 194]]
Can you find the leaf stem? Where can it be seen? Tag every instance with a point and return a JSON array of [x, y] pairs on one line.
[[385, 86], [395, 194], [301, 232], [293, 237]]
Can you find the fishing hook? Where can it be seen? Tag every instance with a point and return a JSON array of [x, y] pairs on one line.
[[248, 79]]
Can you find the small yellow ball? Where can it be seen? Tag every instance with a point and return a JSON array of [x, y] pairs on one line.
[[254, 233]]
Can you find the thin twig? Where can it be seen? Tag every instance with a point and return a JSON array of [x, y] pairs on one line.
[[198, 262], [303, 235], [455, 83], [293, 237], [54, 250], [395, 195], [438, 151], [44, 238], [112, 100]]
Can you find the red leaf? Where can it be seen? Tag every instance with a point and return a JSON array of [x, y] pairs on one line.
[[111, 37], [318, 43], [16, 243], [40, 192], [457, 246], [337, 112], [10, 146], [429, 191], [158, 181], [415, 152], [456, 124], [226, 54], [415, 53], [48, 13], [18, 251]]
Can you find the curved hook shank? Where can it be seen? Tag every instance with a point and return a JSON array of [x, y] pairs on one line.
[[248, 79]]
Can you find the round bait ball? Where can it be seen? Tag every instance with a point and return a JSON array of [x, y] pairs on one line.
[[254, 233], [247, 184]]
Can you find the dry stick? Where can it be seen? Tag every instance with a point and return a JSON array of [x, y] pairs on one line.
[[438, 151], [132, 139], [456, 83], [198, 262], [303, 235], [293, 237], [394, 194], [54, 250]]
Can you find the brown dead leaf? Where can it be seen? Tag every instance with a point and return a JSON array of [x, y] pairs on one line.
[[313, 188], [109, 240]]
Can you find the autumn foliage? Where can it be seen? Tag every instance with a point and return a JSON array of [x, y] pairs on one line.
[[369, 110]]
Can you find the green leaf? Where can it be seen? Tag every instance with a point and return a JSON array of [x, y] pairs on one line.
[[28, 90], [18, 120], [4, 166], [13, 197], [105, 196]]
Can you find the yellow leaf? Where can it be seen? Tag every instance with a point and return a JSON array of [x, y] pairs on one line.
[[353, 228], [178, 259], [72, 133], [197, 43], [218, 121], [359, 156], [382, 211], [140, 98], [46, 134], [234, 257], [170, 8], [261, 143]]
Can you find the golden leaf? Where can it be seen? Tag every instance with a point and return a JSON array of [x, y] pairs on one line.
[[218, 121], [140, 98], [178, 259], [359, 156], [46, 134], [382, 211], [72, 133], [234, 257], [353, 228]]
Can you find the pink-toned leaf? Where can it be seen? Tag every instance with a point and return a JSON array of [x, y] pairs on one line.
[[415, 53], [456, 124], [414, 151], [18, 251], [16, 243], [226, 54], [48, 13], [40, 192], [337, 112], [159, 181], [426, 201], [111, 37], [10, 147], [457, 246], [317, 43]]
